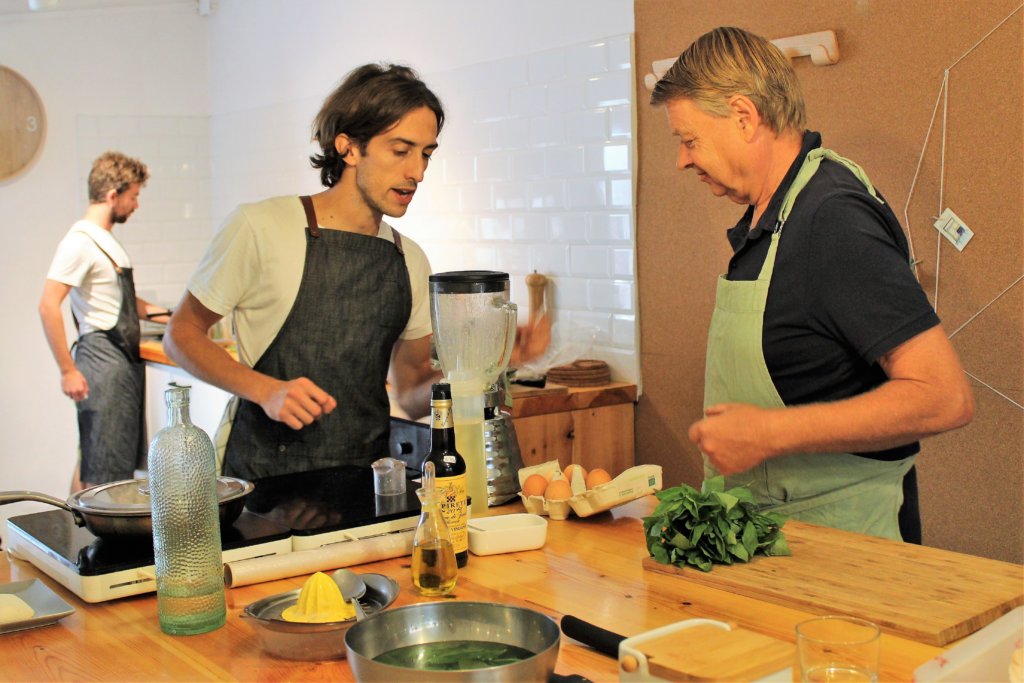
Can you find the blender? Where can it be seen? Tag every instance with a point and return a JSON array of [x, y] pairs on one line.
[[474, 332]]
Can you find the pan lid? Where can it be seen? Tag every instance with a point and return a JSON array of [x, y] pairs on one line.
[[131, 497]]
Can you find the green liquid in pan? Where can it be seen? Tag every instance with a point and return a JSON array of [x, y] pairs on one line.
[[454, 655]]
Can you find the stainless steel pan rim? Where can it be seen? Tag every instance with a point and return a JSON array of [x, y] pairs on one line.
[[130, 519], [453, 620]]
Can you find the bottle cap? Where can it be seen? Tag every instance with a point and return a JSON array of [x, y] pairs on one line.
[[176, 395], [441, 391]]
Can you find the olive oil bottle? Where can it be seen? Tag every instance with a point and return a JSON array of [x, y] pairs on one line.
[[449, 469], [434, 571]]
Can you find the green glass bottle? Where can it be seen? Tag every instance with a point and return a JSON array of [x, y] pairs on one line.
[[186, 523]]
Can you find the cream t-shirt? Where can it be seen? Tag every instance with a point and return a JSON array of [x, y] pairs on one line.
[[96, 293], [254, 266]]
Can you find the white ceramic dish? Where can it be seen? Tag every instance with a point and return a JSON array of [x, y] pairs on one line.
[[48, 606], [507, 533]]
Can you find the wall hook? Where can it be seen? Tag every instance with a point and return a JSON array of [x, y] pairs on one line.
[[821, 46]]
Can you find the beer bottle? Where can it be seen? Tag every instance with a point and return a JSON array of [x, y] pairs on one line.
[[449, 469]]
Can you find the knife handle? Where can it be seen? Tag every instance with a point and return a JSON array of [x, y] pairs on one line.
[[605, 642]]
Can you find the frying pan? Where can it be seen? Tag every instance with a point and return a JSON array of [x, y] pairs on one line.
[[122, 508]]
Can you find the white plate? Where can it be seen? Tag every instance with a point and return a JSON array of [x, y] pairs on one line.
[[47, 604]]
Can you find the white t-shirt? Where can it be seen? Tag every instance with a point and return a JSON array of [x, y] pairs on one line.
[[254, 266], [79, 263]]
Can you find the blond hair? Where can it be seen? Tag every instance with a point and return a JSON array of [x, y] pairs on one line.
[[114, 171], [729, 61]]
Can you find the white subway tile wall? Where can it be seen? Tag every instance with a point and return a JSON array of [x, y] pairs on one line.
[[536, 156], [534, 173], [168, 234]]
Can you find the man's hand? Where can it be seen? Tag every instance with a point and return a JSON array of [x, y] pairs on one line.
[[733, 436], [74, 386], [297, 402]]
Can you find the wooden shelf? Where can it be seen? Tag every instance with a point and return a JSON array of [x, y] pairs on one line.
[[556, 398]]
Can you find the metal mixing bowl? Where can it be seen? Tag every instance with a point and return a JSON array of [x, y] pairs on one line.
[[444, 621], [313, 642]]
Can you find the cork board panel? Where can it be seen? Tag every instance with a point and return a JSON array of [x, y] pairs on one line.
[[878, 106]]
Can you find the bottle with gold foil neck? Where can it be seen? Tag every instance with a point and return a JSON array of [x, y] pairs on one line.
[[450, 469]]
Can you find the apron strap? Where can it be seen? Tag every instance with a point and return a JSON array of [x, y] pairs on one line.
[[311, 222], [807, 171], [314, 228], [117, 268]]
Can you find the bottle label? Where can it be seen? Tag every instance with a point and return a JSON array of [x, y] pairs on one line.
[[441, 415], [454, 509], [450, 459]]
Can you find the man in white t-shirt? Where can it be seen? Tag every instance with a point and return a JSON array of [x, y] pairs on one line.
[[105, 377], [329, 303]]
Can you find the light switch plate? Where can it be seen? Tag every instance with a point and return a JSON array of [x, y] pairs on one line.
[[954, 229]]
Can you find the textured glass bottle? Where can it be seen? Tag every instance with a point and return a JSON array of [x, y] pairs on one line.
[[186, 523], [450, 469]]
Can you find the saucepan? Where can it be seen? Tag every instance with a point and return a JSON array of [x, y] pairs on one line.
[[455, 640], [122, 508]]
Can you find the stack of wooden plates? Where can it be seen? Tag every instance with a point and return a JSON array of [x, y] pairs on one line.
[[581, 373]]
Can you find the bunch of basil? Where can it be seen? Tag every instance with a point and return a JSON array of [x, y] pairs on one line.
[[712, 526]]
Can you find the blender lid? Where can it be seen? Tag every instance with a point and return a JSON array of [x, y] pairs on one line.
[[469, 282]]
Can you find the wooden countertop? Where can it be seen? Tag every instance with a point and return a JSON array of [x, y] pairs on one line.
[[526, 401], [591, 568], [153, 351], [555, 398]]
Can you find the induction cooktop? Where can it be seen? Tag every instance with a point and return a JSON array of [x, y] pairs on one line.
[[284, 513]]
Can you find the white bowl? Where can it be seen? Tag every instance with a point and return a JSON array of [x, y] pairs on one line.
[[506, 533]]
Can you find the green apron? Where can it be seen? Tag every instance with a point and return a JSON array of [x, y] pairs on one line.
[[839, 490]]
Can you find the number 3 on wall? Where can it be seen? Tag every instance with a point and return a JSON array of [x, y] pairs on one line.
[[22, 124]]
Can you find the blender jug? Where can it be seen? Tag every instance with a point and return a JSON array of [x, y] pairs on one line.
[[474, 332]]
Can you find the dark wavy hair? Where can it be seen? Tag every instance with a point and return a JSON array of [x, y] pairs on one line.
[[371, 99]]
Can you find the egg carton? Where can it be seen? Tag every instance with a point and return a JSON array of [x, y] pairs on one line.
[[635, 482]]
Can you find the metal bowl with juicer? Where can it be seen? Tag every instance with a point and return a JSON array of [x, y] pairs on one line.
[[474, 326]]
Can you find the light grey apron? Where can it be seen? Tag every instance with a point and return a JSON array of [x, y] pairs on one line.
[[840, 490], [353, 302], [112, 421]]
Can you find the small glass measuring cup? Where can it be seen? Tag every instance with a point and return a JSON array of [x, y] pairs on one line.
[[388, 477]]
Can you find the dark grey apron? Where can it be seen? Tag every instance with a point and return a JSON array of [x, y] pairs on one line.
[[353, 302], [112, 420]]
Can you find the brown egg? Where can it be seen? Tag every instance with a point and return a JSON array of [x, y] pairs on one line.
[[570, 472], [534, 485], [597, 477], [559, 489]]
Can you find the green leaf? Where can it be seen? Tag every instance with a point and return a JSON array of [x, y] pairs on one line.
[[712, 526]]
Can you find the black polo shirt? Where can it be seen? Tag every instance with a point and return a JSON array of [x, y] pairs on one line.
[[842, 293]]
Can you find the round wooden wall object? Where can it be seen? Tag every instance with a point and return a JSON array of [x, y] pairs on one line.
[[22, 123]]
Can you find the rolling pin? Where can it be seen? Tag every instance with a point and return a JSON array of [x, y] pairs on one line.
[[536, 283], [535, 337]]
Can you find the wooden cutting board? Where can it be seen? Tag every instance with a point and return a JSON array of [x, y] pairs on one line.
[[926, 594], [708, 653]]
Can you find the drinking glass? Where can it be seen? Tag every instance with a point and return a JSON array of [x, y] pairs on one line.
[[837, 648]]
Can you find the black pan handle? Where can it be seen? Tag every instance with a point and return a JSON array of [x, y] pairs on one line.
[[603, 641]]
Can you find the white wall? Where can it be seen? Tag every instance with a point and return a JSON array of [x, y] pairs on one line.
[[255, 71], [94, 70], [534, 171]]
